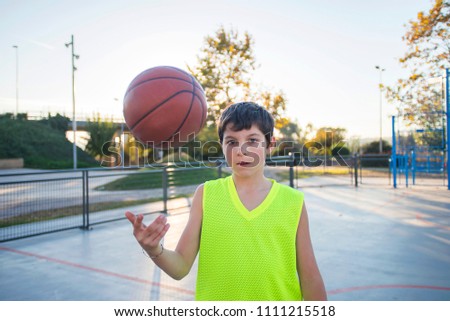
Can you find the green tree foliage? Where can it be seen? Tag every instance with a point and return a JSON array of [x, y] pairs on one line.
[[328, 138], [374, 147], [39, 144], [419, 95], [289, 138], [101, 141], [224, 69], [290, 132], [58, 122], [275, 102]]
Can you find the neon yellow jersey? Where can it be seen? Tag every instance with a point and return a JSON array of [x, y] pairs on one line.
[[248, 255]]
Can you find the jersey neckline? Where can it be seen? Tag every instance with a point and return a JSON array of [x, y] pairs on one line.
[[257, 211]]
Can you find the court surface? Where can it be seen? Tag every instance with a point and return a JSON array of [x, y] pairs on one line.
[[371, 243]]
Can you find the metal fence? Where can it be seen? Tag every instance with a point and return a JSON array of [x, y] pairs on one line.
[[49, 201]]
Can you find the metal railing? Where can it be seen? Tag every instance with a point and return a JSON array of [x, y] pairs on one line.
[[50, 201]]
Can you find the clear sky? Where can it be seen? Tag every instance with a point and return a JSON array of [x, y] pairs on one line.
[[322, 54]]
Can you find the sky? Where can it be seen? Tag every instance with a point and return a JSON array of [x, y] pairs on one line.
[[321, 54]]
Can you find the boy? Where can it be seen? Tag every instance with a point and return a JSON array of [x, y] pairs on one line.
[[250, 232]]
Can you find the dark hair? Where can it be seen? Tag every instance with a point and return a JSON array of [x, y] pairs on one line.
[[243, 115]]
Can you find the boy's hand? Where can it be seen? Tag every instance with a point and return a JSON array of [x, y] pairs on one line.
[[149, 237]]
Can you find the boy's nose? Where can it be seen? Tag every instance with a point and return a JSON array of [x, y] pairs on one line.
[[241, 150]]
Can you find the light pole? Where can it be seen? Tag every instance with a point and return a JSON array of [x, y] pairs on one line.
[[122, 139], [381, 106], [74, 121], [17, 78]]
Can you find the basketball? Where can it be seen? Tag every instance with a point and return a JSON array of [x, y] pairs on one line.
[[164, 107]]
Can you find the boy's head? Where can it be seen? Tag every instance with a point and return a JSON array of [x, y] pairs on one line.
[[243, 115]]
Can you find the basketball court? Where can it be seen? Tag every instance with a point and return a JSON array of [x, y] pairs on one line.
[[371, 243]]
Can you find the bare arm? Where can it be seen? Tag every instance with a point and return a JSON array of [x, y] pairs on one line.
[[177, 263], [311, 281]]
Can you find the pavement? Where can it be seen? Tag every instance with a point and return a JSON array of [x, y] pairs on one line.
[[372, 243]]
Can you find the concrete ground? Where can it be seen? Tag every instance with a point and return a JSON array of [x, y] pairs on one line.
[[371, 243]]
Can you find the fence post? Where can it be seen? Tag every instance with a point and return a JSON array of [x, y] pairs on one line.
[[360, 167], [351, 169], [447, 114], [406, 168], [394, 154], [219, 170], [291, 172], [413, 167], [164, 187], [85, 179], [355, 165]]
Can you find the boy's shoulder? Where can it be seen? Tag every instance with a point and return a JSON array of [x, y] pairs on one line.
[[286, 189], [216, 182]]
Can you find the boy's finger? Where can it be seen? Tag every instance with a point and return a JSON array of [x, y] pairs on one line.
[[163, 232], [138, 223], [157, 236], [157, 224], [130, 216], [135, 220]]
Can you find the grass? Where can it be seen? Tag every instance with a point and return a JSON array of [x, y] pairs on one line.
[[40, 145], [313, 171], [50, 214], [145, 179], [152, 178], [148, 179]]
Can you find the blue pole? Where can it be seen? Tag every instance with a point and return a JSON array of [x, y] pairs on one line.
[[447, 100], [406, 167], [394, 154], [413, 165]]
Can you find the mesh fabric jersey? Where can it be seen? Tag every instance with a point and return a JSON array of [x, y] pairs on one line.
[[248, 255]]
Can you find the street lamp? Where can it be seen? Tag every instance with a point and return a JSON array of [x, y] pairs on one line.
[[381, 106], [17, 78], [122, 139], [74, 121]]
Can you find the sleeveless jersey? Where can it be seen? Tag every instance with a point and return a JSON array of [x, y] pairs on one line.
[[248, 255]]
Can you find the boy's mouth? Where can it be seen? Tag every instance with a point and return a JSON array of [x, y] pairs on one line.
[[243, 163]]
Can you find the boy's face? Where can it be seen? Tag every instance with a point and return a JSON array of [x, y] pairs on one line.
[[245, 150]]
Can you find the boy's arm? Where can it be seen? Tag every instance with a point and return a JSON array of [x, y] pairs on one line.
[[311, 281], [177, 263]]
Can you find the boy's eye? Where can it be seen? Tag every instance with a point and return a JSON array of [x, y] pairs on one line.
[[232, 142]]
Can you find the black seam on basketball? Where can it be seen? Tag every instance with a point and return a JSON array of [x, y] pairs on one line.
[[151, 79], [157, 106], [188, 113], [196, 84], [177, 69]]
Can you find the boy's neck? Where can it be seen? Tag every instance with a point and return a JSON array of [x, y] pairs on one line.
[[251, 182]]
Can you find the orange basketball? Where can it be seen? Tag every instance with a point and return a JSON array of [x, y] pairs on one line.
[[164, 107]]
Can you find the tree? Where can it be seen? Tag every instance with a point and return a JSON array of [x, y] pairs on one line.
[[374, 147], [224, 69], [101, 134], [419, 95], [275, 102], [58, 122], [288, 139], [328, 138], [290, 132]]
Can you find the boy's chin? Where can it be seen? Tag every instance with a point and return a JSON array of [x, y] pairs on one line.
[[250, 168]]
